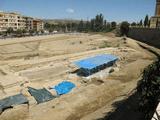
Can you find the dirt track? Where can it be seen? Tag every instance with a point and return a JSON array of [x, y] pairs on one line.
[[46, 61]]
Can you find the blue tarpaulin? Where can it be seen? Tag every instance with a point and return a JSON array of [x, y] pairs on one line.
[[64, 87], [95, 61]]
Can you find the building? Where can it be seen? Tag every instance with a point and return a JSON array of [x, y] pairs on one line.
[[13, 20], [18, 21], [155, 20], [29, 23], [38, 25]]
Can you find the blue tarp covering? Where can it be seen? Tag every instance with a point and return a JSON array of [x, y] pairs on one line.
[[64, 87], [96, 61]]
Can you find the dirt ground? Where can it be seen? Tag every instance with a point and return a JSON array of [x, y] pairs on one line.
[[46, 61]]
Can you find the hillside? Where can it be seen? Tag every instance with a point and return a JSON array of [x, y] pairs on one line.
[[60, 21]]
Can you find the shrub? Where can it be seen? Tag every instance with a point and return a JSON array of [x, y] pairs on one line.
[[9, 30], [149, 88], [124, 28]]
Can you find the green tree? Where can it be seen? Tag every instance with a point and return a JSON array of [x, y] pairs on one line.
[[97, 24], [124, 28], [141, 23], [113, 25], [133, 24], [108, 26], [50, 30], [92, 26], [24, 31], [69, 26], [149, 89], [74, 26], [146, 21], [99, 20], [52, 27], [19, 32], [81, 26], [105, 25], [31, 31], [9, 30], [47, 26], [87, 26]]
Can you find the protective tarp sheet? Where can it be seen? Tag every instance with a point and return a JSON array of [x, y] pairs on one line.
[[11, 101], [64, 87], [96, 61], [41, 95]]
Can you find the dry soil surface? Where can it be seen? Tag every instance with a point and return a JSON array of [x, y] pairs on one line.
[[46, 61]]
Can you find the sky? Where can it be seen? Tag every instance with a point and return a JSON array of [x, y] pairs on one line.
[[113, 10]]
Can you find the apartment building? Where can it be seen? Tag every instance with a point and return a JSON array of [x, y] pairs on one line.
[[38, 25], [29, 23], [18, 21], [13, 20]]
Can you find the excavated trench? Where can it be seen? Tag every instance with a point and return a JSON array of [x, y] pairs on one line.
[[86, 98]]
